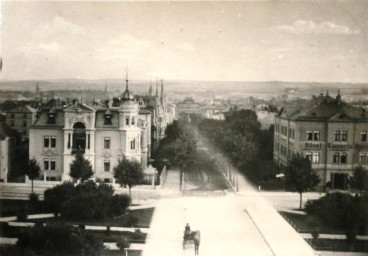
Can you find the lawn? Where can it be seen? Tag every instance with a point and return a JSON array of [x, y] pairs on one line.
[[136, 218], [307, 224], [339, 245]]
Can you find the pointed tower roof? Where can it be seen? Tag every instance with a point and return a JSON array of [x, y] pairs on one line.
[[127, 95], [150, 89], [156, 88]]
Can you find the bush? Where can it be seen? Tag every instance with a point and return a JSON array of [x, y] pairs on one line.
[[22, 214], [122, 243], [315, 234], [56, 196], [120, 203], [59, 239], [33, 198], [342, 211]]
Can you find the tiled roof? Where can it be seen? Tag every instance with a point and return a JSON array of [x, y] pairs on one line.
[[23, 109], [325, 108]]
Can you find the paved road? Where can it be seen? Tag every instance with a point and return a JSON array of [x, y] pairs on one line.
[[235, 224]]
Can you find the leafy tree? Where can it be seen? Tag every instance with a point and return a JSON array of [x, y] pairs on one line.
[[360, 179], [33, 171], [341, 210], [59, 239], [128, 173], [80, 168], [299, 175], [55, 197]]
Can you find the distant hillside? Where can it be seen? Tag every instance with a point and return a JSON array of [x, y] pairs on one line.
[[140, 86]]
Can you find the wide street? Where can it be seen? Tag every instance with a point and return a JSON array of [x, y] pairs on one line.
[[231, 224]]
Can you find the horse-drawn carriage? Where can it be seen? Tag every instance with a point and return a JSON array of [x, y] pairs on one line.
[[194, 236]]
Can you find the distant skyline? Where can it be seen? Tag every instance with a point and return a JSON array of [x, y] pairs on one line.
[[311, 41]]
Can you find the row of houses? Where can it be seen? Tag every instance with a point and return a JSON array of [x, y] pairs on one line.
[[128, 126]]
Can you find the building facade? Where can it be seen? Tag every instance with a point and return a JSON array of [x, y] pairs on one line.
[[102, 133], [20, 119], [330, 132]]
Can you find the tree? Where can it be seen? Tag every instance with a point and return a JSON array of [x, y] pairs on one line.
[[59, 239], [80, 168], [128, 173], [33, 171], [299, 175], [55, 197], [360, 179]]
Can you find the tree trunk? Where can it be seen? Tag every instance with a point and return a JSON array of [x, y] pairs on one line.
[[31, 186], [301, 200], [130, 194]]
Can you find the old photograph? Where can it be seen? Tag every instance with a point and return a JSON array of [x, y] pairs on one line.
[[177, 128]]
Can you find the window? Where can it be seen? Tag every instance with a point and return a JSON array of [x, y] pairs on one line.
[[309, 155], [107, 120], [336, 158], [107, 180], [337, 136], [363, 136], [340, 158], [107, 142], [315, 135], [53, 165], [133, 121], [107, 166], [51, 118], [363, 158], [132, 144], [53, 141], [315, 158], [343, 158], [127, 120], [309, 135], [46, 141], [46, 164], [344, 136]]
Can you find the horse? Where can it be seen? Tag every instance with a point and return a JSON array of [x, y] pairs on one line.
[[197, 240], [194, 236]]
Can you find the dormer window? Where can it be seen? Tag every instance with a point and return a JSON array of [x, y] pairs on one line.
[[51, 118], [108, 119]]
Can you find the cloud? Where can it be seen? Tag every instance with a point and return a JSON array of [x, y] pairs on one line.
[[58, 27], [185, 47], [310, 27]]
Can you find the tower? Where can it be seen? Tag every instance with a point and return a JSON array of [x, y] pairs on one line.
[[130, 133], [150, 90]]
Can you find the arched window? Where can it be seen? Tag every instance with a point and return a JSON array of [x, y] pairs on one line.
[[79, 136]]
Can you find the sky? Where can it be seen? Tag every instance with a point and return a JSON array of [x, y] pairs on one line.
[[309, 41]]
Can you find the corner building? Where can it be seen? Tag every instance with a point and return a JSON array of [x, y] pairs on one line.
[[102, 133], [328, 131]]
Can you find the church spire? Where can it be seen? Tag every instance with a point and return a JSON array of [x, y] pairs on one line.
[[162, 89], [156, 87], [126, 79], [150, 89]]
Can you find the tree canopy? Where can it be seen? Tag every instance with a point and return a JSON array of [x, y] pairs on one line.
[[80, 168], [59, 239], [360, 179], [299, 175], [33, 170], [128, 173]]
